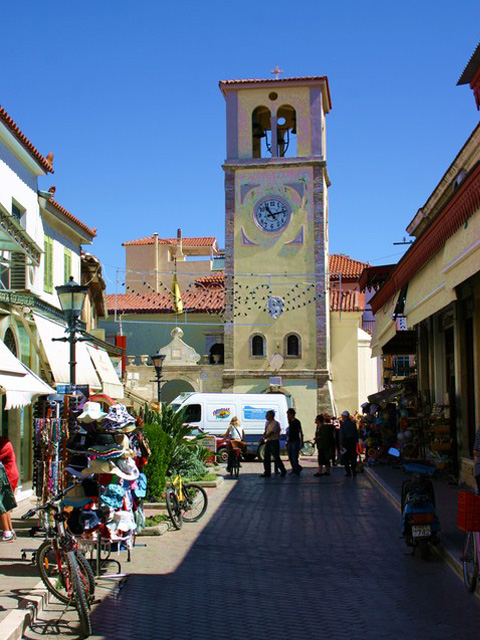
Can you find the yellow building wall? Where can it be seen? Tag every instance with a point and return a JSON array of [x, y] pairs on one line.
[[272, 254], [344, 363]]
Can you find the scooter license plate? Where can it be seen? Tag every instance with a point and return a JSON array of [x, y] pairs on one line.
[[421, 531]]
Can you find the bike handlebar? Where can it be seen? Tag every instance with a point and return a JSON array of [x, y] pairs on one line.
[[50, 504]]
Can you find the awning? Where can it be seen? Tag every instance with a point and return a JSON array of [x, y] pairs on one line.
[[106, 372], [403, 343], [386, 395], [58, 355], [18, 382]]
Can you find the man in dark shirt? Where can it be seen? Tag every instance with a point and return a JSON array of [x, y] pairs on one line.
[[348, 444], [294, 441]]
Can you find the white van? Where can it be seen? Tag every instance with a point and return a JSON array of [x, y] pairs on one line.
[[212, 413]]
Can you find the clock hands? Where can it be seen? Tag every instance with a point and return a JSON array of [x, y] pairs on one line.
[[271, 214]]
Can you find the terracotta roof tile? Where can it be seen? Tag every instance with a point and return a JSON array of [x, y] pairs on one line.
[[349, 268], [186, 242], [72, 218], [7, 120], [350, 300], [197, 299]]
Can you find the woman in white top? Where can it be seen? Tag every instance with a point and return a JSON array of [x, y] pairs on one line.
[[235, 433], [236, 436]]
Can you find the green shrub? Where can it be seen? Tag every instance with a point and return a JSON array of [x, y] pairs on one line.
[[173, 448]]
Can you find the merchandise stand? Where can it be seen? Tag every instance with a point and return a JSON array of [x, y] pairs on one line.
[[77, 438]]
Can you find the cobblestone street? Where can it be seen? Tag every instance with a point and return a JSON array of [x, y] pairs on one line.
[[285, 558]]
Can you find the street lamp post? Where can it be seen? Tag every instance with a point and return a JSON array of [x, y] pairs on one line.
[[72, 298], [157, 361]]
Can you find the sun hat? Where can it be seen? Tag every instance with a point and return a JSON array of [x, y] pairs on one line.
[[104, 444], [74, 524], [112, 495], [141, 490], [125, 468], [90, 519], [92, 411], [76, 497], [124, 520], [98, 467], [77, 464], [122, 440], [117, 417]]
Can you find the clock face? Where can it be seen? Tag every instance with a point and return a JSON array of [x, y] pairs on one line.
[[272, 214]]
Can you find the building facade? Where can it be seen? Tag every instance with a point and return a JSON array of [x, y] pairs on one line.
[[429, 303]]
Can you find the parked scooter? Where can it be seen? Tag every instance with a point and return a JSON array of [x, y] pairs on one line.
[[420, 524]]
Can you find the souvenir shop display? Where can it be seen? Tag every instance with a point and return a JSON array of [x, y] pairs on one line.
[[103, 452], [420, 431]]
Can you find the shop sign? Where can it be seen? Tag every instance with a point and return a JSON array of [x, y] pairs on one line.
[[210, 443], [401, 323]]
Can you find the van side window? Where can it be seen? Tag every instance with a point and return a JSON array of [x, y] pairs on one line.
[[193, 413]]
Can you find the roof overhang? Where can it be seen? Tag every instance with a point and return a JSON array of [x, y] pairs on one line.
[[257, 83]]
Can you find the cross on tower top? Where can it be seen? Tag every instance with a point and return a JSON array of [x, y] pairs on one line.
[[276, 71]]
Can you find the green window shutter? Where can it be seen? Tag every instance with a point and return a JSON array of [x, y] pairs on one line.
[[67, 268], [48, 265]]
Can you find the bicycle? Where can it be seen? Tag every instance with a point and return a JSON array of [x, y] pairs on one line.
[[63, 568], [469, 520], [234, 461], [308, 448], [186, 501]]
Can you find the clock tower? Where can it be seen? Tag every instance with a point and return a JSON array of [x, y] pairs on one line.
[[276, 241]]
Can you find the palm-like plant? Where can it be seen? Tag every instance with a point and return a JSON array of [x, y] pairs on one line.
[[174, 446]]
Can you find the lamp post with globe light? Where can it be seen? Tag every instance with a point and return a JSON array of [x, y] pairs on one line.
[[72, 298]]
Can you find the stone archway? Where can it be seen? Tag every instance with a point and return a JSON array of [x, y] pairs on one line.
[[173, 388]]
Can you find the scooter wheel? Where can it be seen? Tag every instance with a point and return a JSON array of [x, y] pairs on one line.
[[424, 549]]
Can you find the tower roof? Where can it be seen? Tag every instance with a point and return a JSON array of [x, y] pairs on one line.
[[226, 85]]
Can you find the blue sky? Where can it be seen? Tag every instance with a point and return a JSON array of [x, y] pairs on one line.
[[126, 96]]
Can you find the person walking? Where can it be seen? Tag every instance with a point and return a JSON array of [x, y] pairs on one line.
[[348, 444], [8, 483], [325, 441], [236, 437], [294, 441], [271, 437]]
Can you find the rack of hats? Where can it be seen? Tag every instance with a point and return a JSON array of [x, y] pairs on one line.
[[107, 453], [103, 452]]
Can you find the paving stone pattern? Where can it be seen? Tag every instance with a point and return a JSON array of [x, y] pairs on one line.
[[289, 558]]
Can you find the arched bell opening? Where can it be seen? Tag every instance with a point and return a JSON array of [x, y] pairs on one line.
[[261, 133], [286, 132]]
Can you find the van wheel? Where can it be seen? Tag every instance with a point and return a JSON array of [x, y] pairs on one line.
[[261, 452], [222, 455]]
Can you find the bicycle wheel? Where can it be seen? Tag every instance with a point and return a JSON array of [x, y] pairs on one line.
[[79, 596], [173, 508], [236, 466], [308, 448], [470, 562], [195, 502], [53, 571]]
